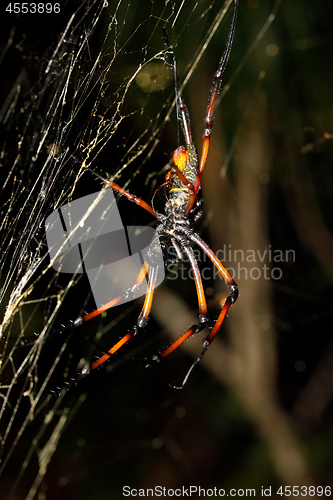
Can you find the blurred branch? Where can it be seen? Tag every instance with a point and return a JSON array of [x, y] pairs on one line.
[[307, 216], [251, 330], [317, 239], [315, 397]]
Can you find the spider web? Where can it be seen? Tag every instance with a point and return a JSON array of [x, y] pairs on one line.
[[97, 97]]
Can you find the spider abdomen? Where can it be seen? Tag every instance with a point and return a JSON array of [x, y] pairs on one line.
[[186, 160]]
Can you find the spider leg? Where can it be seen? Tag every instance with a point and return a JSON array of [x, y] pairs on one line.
[[136, 285], [142, 319], [181, 106], [214, 92], [175, 170], [203, 318], [146, 308], [226, 276], [231, 299], [129, 196], [86, 317]]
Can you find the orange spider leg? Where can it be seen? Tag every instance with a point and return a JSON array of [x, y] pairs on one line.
[[201, 301], [231, 299], [137, 283], [216, 85], [144, 315], [129, 196], [188, 184], [142, 320]]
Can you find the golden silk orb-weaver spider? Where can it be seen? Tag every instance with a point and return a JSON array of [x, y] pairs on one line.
[[175, 224], [174, 229]]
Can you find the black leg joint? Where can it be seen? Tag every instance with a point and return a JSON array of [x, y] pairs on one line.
[[135, 330], [203, 319], [142, 322], [202, 323], [234, 293]]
